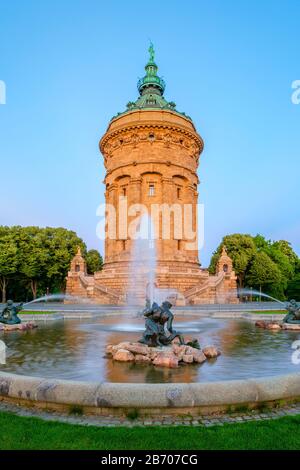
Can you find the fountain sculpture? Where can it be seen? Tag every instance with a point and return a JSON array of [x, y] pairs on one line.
[[160, 345], [9, 319], [159, 326], [293, 315], [9, 314], [290, 322]]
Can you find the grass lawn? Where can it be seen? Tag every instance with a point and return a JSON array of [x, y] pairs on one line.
[[269, 312], [33, 433]]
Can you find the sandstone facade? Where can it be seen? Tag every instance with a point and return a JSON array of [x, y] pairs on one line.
[[151, 155]]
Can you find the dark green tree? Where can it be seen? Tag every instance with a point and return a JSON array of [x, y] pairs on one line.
[[260, 263], [241, 248], [265, 275], [94, 261], [8, 259]]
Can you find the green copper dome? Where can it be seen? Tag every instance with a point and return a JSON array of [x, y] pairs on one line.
[[151, 89], [151, 82]]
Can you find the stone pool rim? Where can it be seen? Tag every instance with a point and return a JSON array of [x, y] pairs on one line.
[[169, 398]]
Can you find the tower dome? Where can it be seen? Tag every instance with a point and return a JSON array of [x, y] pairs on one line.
[[151, 82], [151, 90]]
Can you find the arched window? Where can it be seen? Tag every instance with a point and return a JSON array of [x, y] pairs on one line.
[[77, 268], [225, 268]]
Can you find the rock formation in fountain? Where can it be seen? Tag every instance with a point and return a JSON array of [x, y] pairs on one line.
[[161, 345]]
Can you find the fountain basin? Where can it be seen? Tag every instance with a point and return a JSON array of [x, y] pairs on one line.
[[118, 398], [74, 349], [62, 363]]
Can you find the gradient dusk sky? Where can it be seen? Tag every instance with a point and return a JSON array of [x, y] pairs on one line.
[[70, 65]]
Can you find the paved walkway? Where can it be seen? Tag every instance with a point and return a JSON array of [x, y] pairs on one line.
[[161, 420]]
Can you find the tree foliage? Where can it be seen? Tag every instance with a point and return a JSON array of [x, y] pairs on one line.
[[94, 261], [261, 264], [36, 260]]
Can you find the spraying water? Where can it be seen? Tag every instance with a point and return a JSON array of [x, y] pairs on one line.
[[58, 297], [143, 268], [142, 264], [260, 294]]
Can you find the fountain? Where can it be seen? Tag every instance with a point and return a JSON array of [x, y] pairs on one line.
[[293, 316], [160, 344], [143, 267], [142, 264], [10, 320], [289, 322]]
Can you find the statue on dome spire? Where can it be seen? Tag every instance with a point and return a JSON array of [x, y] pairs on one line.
[[151, 52]]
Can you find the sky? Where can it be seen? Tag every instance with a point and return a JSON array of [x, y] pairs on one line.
[[70, 65]]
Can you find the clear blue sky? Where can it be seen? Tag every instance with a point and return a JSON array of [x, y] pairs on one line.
[[70, 65]]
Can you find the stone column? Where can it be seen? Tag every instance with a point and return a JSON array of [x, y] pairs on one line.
[[134, 197]]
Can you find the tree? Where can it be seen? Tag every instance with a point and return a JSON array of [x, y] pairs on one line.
[[61, 245], [44, 257], [265, 275], [33, 256], [94, 261], [8, 259], [247, 252], [293, 287], [241, 249]]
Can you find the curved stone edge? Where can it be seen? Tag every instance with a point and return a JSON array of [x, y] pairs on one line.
[[120, 395]]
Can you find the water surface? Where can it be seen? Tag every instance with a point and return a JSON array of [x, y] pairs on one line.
[[75, 349]]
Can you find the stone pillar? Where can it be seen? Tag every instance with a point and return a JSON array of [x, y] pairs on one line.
[[134, 197]]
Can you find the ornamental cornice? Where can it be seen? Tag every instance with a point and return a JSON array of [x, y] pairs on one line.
[[136, 129]]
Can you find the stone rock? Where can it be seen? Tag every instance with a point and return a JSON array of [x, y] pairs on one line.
[[188, 358], [260, 324], [273, 326], [199, 357], [164, 356], [18, 326], [123, 355], [191, 350], [136, 348], [118, 346], [11, 327], [197, 354], [153, 352], [166, 360], [109, 349], [211, 352], [291, 326], [179, 350], [140, 358]]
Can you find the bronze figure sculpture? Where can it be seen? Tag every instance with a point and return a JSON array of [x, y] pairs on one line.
[[159, 326], [293, 315], [9, 314]]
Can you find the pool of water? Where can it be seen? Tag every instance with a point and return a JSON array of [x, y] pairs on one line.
[[75, 349]]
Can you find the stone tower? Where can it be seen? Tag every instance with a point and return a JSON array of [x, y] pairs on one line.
[[151, 155]]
